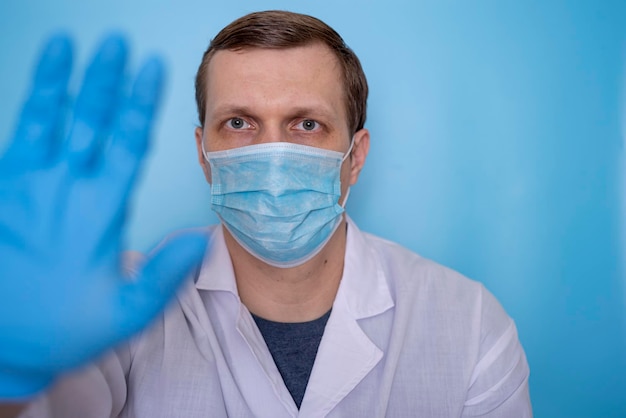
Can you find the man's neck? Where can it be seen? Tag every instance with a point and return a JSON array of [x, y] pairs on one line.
[[297, 294]]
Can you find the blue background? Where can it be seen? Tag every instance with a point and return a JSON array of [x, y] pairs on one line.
[[497, 149]]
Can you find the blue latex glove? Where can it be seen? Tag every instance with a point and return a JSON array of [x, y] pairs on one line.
[[63, 201]]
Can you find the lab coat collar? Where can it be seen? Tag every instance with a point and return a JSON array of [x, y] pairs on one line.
[[217, 269], [364, 288]]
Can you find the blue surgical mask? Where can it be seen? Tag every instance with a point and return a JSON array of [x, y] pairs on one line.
[[279, 200]]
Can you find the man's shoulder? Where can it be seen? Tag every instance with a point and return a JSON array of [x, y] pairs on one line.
[[431, 287], [405, 267], [424, 290]]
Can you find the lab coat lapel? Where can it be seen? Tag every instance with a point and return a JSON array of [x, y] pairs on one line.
[[346, 354]]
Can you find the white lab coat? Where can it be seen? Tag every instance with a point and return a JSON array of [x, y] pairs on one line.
[[406, 338]]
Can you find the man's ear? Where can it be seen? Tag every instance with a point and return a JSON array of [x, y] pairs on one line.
[[205, 166], [360, 149]]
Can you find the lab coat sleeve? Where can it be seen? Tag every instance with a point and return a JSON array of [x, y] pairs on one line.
[[95, 391], [499, 383]]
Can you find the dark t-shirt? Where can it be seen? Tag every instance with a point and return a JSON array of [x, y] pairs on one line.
[[293, 347]]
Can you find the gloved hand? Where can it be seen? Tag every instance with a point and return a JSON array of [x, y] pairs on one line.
[[63, 201]]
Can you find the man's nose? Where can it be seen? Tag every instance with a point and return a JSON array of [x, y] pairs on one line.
[[272, 132]]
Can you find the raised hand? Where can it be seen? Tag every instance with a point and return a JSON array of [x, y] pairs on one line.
[[63, 201]]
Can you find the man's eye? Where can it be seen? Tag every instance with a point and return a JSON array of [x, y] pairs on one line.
[[238, 123], [308, 125]]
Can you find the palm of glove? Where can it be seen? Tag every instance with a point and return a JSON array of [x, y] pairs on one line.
[[63, 200]]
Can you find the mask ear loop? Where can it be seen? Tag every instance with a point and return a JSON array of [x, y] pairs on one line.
[[204, 153], [345, 199], [349, 150]]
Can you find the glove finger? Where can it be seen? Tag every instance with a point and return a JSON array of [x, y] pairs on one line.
[[96, 103], [135, 122], [160, 276], [37, 136], [132, 132]]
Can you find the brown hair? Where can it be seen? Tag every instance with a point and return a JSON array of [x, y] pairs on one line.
[[281, 29]]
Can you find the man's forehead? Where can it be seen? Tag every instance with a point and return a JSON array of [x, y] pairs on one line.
[[308, 71]]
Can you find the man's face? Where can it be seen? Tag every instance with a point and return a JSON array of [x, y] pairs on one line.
[[268, 95]]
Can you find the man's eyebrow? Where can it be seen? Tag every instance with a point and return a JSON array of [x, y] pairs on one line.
[[312, 111], [232, 110]]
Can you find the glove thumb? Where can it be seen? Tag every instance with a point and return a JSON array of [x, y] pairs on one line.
[[159, 278]]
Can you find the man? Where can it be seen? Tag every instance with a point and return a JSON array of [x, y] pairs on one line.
[[294, 311]]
